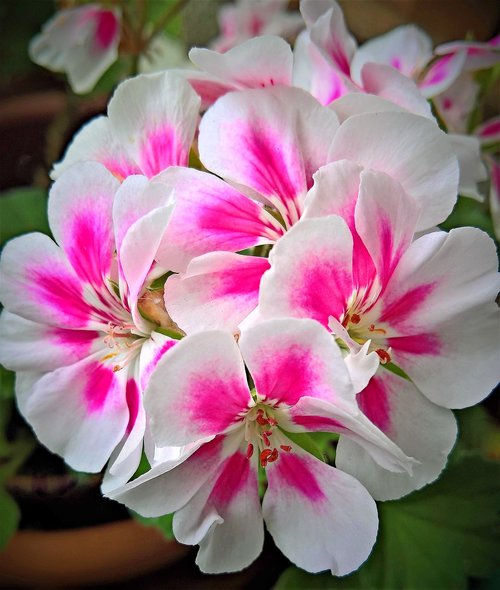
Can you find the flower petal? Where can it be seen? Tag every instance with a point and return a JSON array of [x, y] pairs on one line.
[[170, 485], [271, 140], [318, 516], [96, 141], [258, 62], [291, 358], [197, 390], [87, 402], [386, 218], [421, 429], [217, 292], [35, 267], [224, 517], [311, 272], [407, 49], [29, 346], [210, 215], [388, 83], [442, 73], [155, 116], [409, 148], [79, 211], [472, 169]]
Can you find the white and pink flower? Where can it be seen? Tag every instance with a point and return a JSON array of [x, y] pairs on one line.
[[81, 41], [73, 326], [151, 123], [318, 516], [425, 305]]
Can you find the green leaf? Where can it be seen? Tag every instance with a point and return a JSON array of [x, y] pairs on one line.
[[23, 210], [162, 523], [10, 516], [6, 384], [433, 538]]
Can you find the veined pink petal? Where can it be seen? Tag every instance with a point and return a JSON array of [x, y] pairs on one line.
[[224, 508], [328, 31], [318, 415], [79, 210], [137, 254], [154, 117], [170, 485], [95, 141], [335, 192], [421, 429], [38, 283], [30, 346], [385, 217], [291, 358], [313, 72], [311, 272], [210, 215], [456, 103], [81, 41], [269, 140], [479, 55], [217, 291], [87, 401], [198, 390], [318, 516]]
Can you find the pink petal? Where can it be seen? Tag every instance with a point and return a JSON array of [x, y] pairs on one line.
[[388, 83], [442, 73], [210, 215], [270, 140], [318, 516], [87, 401], [204, 378], [406, 49], [489, 131], [329, 32], [155, 116], [313, 72], [216, 516], [38, 283], [217, 291], [421, 429], [96, 141], [258, 62], [386, 218], [290, 358], [29, 346], [79, 210], [314, 281]]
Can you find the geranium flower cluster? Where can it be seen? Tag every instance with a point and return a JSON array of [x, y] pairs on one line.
[[291, 281]]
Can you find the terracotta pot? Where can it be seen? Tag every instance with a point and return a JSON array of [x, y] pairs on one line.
[[93, 555]]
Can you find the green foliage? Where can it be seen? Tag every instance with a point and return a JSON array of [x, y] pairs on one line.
[[23, 210], [433, 538], [468, 212]]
